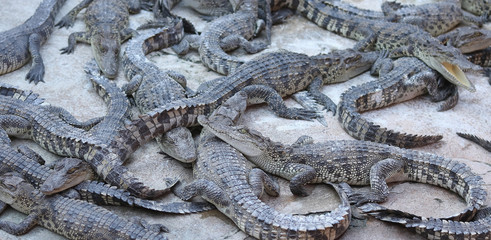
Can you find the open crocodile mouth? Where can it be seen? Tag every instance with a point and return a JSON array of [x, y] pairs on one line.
[[453, 73]]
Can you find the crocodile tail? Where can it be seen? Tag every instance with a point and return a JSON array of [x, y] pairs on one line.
[[23, 95], [481, 142], [122, 178], [361, 129]]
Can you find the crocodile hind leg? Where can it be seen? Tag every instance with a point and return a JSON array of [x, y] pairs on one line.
[[36, 72], [261, 93], [322, 99], [379, 172], [233, 41], [20, 228]]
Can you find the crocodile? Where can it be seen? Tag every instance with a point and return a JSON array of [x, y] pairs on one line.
[[486, 144], [268, 77], [223, 178], [73, 172], [352, 162], [435, 18], [23, 42], [209, 9], [398, 38], [53, 133], [231, 31], [116, 100], [436, 228], [482, 58], [152, 87], [467, 39], [74, 219], [408, 79], [106, 22]]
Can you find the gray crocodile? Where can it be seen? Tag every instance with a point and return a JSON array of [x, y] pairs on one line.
[[106, 22], [23, 42], [352, 162], [435, 18], [229, 32], [152, 87], [222, 178], [51, 131], [263, 80], [398, 38], [467, 39], [71, 218], [408, 79]]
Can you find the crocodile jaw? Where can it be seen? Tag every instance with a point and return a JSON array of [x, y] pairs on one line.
[[452, 73]]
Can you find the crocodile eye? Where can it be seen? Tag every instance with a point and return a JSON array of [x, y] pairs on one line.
[[71, 170]]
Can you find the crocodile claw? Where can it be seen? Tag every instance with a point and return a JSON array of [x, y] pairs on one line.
[[36, 74], [66, 22]]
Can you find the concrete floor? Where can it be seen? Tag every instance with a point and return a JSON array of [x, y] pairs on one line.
[[66, 86]]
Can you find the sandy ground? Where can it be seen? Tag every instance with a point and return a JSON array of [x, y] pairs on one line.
[[66, 86]]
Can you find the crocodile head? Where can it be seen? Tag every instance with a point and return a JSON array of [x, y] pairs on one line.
[[341, 65], [247, 141], [179, 144], [448, 61], [15, 190], [106, 45], [467, 39], [68, 172]]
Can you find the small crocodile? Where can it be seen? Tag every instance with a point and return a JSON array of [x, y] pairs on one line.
[[435, 18], [398, 38], [436, 228], [229, 32], [266, 78], [408, 79], [68, 217], [482, 58], [467, 39], [106, 22], [69, 172], [116, 100], [486, 144], [223, 178], [22, 43], [352, 162], [51, 131], [152, 87]]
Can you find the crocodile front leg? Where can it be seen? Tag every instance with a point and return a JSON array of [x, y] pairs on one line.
[[260, 181], [261, 93], [73, 39], [20, 228], [201, 187], [36, 72], [379, 172]]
